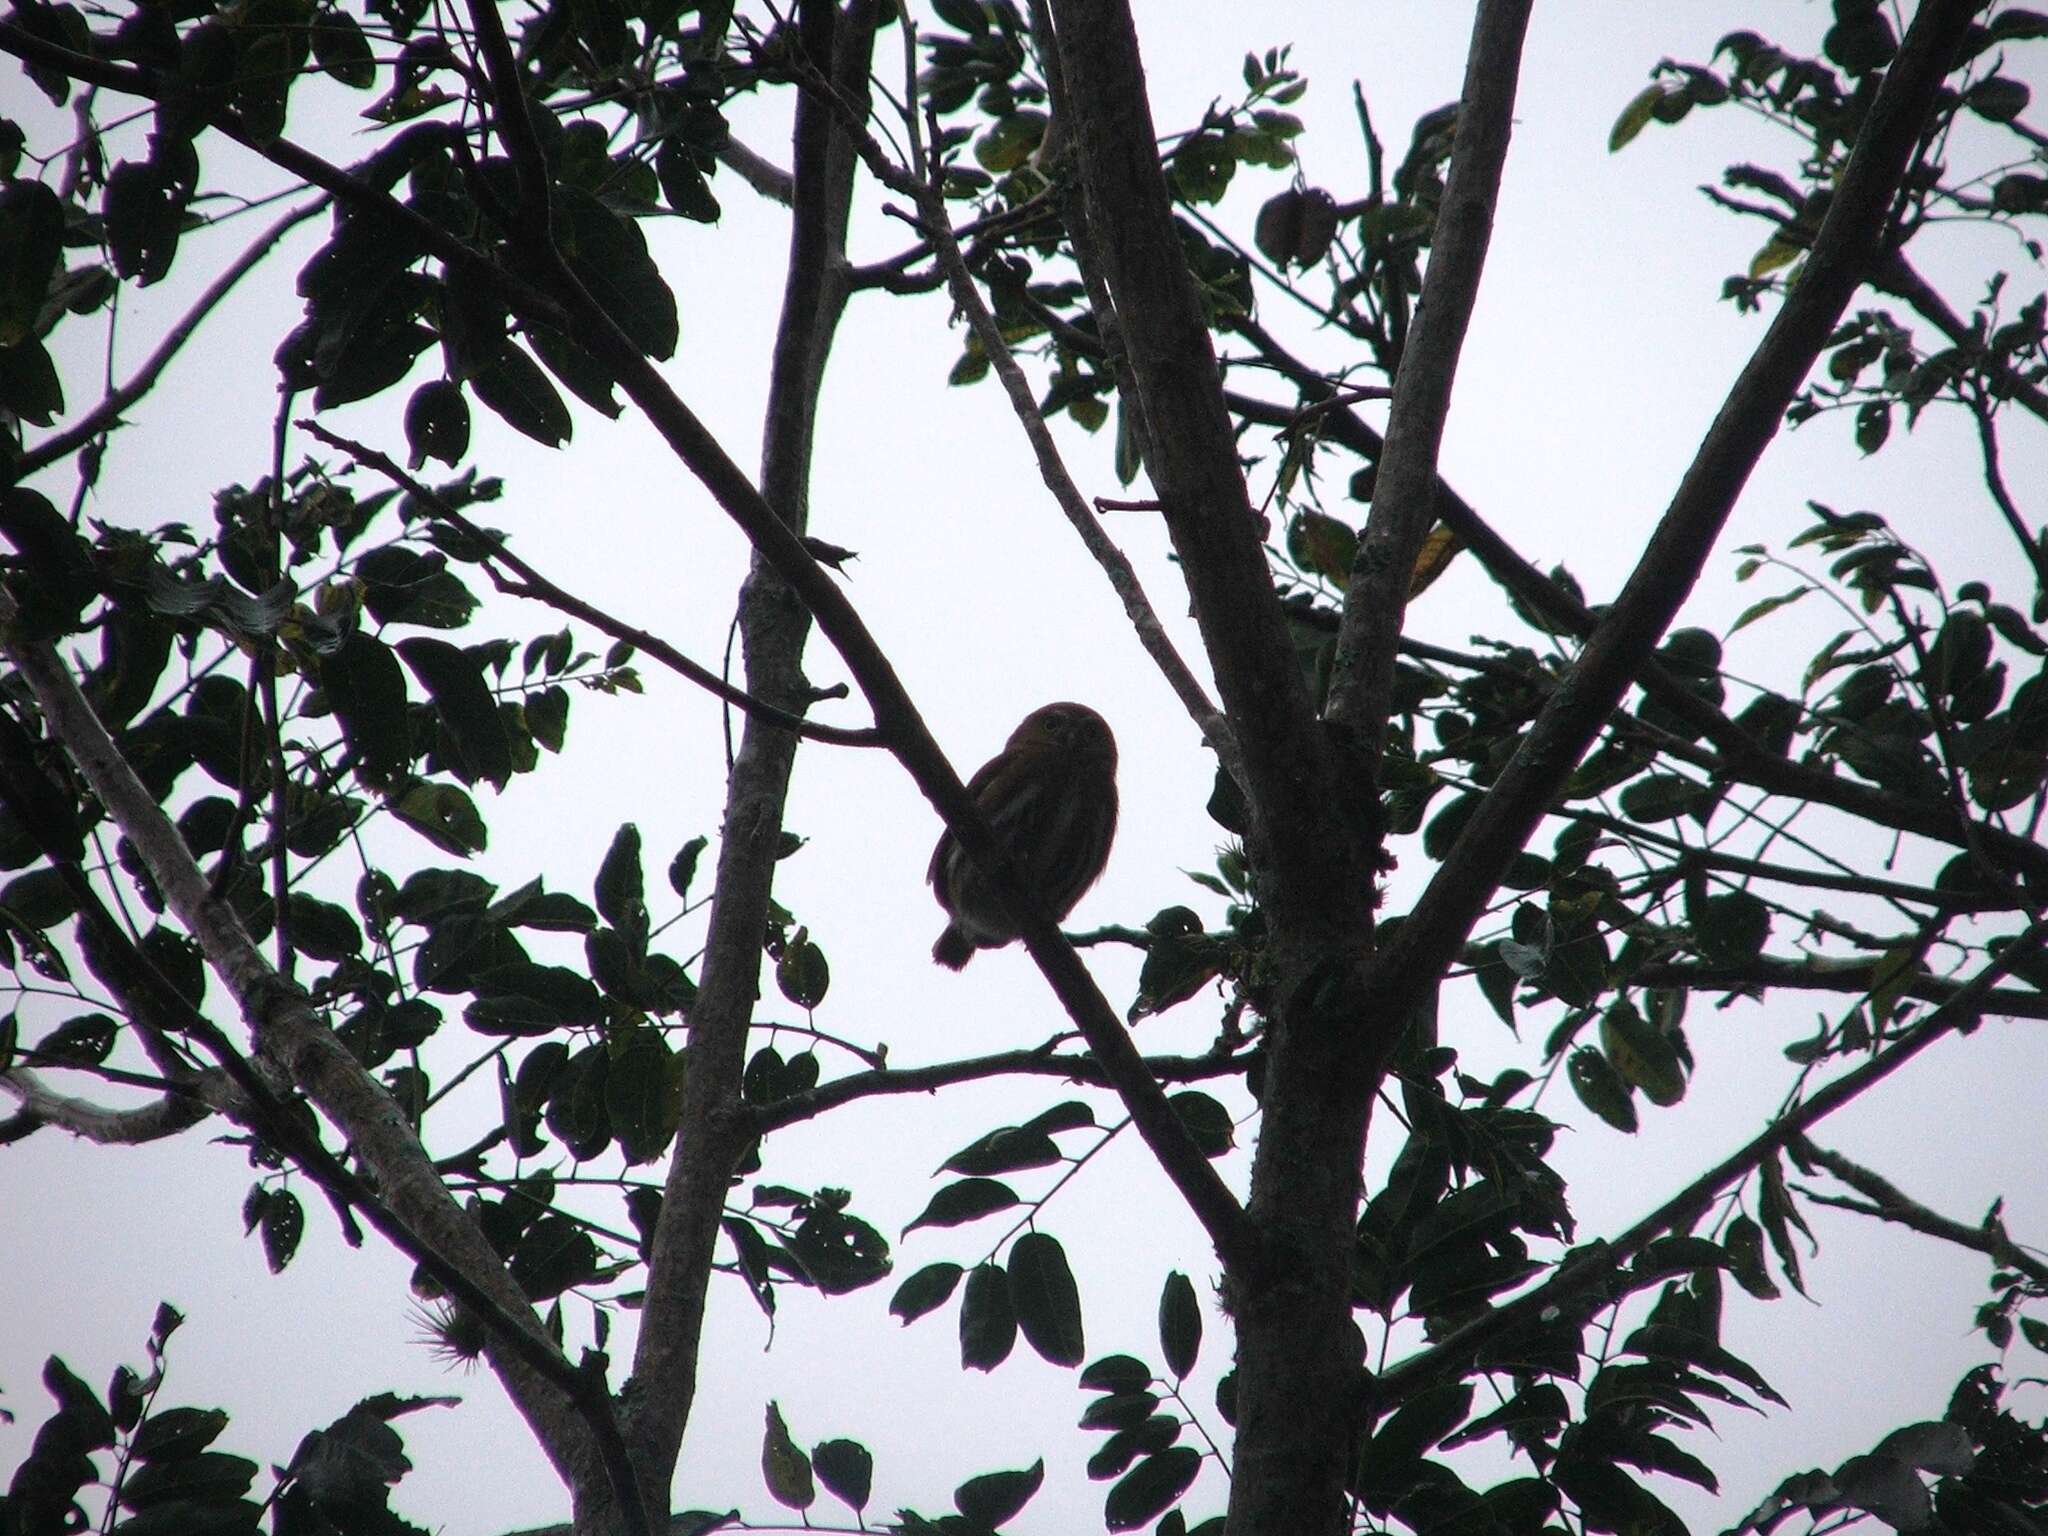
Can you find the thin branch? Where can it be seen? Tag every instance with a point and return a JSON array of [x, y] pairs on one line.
[[1404, 494], [1043, 1061], [1585, 1273], [1123, 580], [1889, 1203], [1897, 276], [533, 584], [766, 178], [1767, 974], [1994, 481], [106, 415]]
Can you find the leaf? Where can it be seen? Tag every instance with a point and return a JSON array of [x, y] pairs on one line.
[[1744, 1244], [513, 385], [365, 687], [1769, 606], [1601, 1089], [643, 1095], [284, 1223], [930, 1287], [1047, 1302], [177, 1432], [445, 816], [988, 1321], [31, 249], [621, 889], [340, 49], [437, 423], [1643, 1054], [1007, 1149], [785, 1469], [1207, 1122], [962, 1201], [802, 973], [993, 1499], [1150, 1487], [610, 255], [1997, 98], [682, 869], [847, 1470], [1180, 1324], [1636, 116]]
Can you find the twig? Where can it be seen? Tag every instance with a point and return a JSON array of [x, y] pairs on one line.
[[1038, 1062], [1994, 481], [106, 414], [533, 584]]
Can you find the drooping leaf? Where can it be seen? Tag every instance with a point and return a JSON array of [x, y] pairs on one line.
[[1047, 1302]]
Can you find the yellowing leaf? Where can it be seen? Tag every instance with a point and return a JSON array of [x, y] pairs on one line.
[[785, 1469], [1438, 550]]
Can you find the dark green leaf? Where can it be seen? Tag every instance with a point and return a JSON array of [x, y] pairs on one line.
[[930, 1287], [437, 423], [1150, 1487], [610, 255], [643, 1095], [988, 1322], [462, 697], [341, 49], [993, 1499], [31, 248], [1180, 1324], [1601, 1089], [1207, 1122], [964, 1200], [513, 385], [1046, 1300], [846, 1469], [284, 1223], [785, 1469], [1008, 1149], [621, 890], [365, 687], [177, 1432]]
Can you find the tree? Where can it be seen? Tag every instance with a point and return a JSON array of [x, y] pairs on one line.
[[1613, 828]]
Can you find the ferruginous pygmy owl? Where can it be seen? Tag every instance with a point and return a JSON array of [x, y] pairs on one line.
[[1050, 794]]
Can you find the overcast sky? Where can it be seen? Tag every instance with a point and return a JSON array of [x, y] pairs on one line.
[[1597, 356]]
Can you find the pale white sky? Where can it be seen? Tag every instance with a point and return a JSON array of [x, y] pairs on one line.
[[1596, 358]]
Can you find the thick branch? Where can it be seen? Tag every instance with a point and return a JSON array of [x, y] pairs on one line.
[[290, 1034], [41, 1105], [1435, 931], [1404, 493], [1316, 877]]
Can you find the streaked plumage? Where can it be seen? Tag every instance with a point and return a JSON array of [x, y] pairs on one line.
[[1050, 794]]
